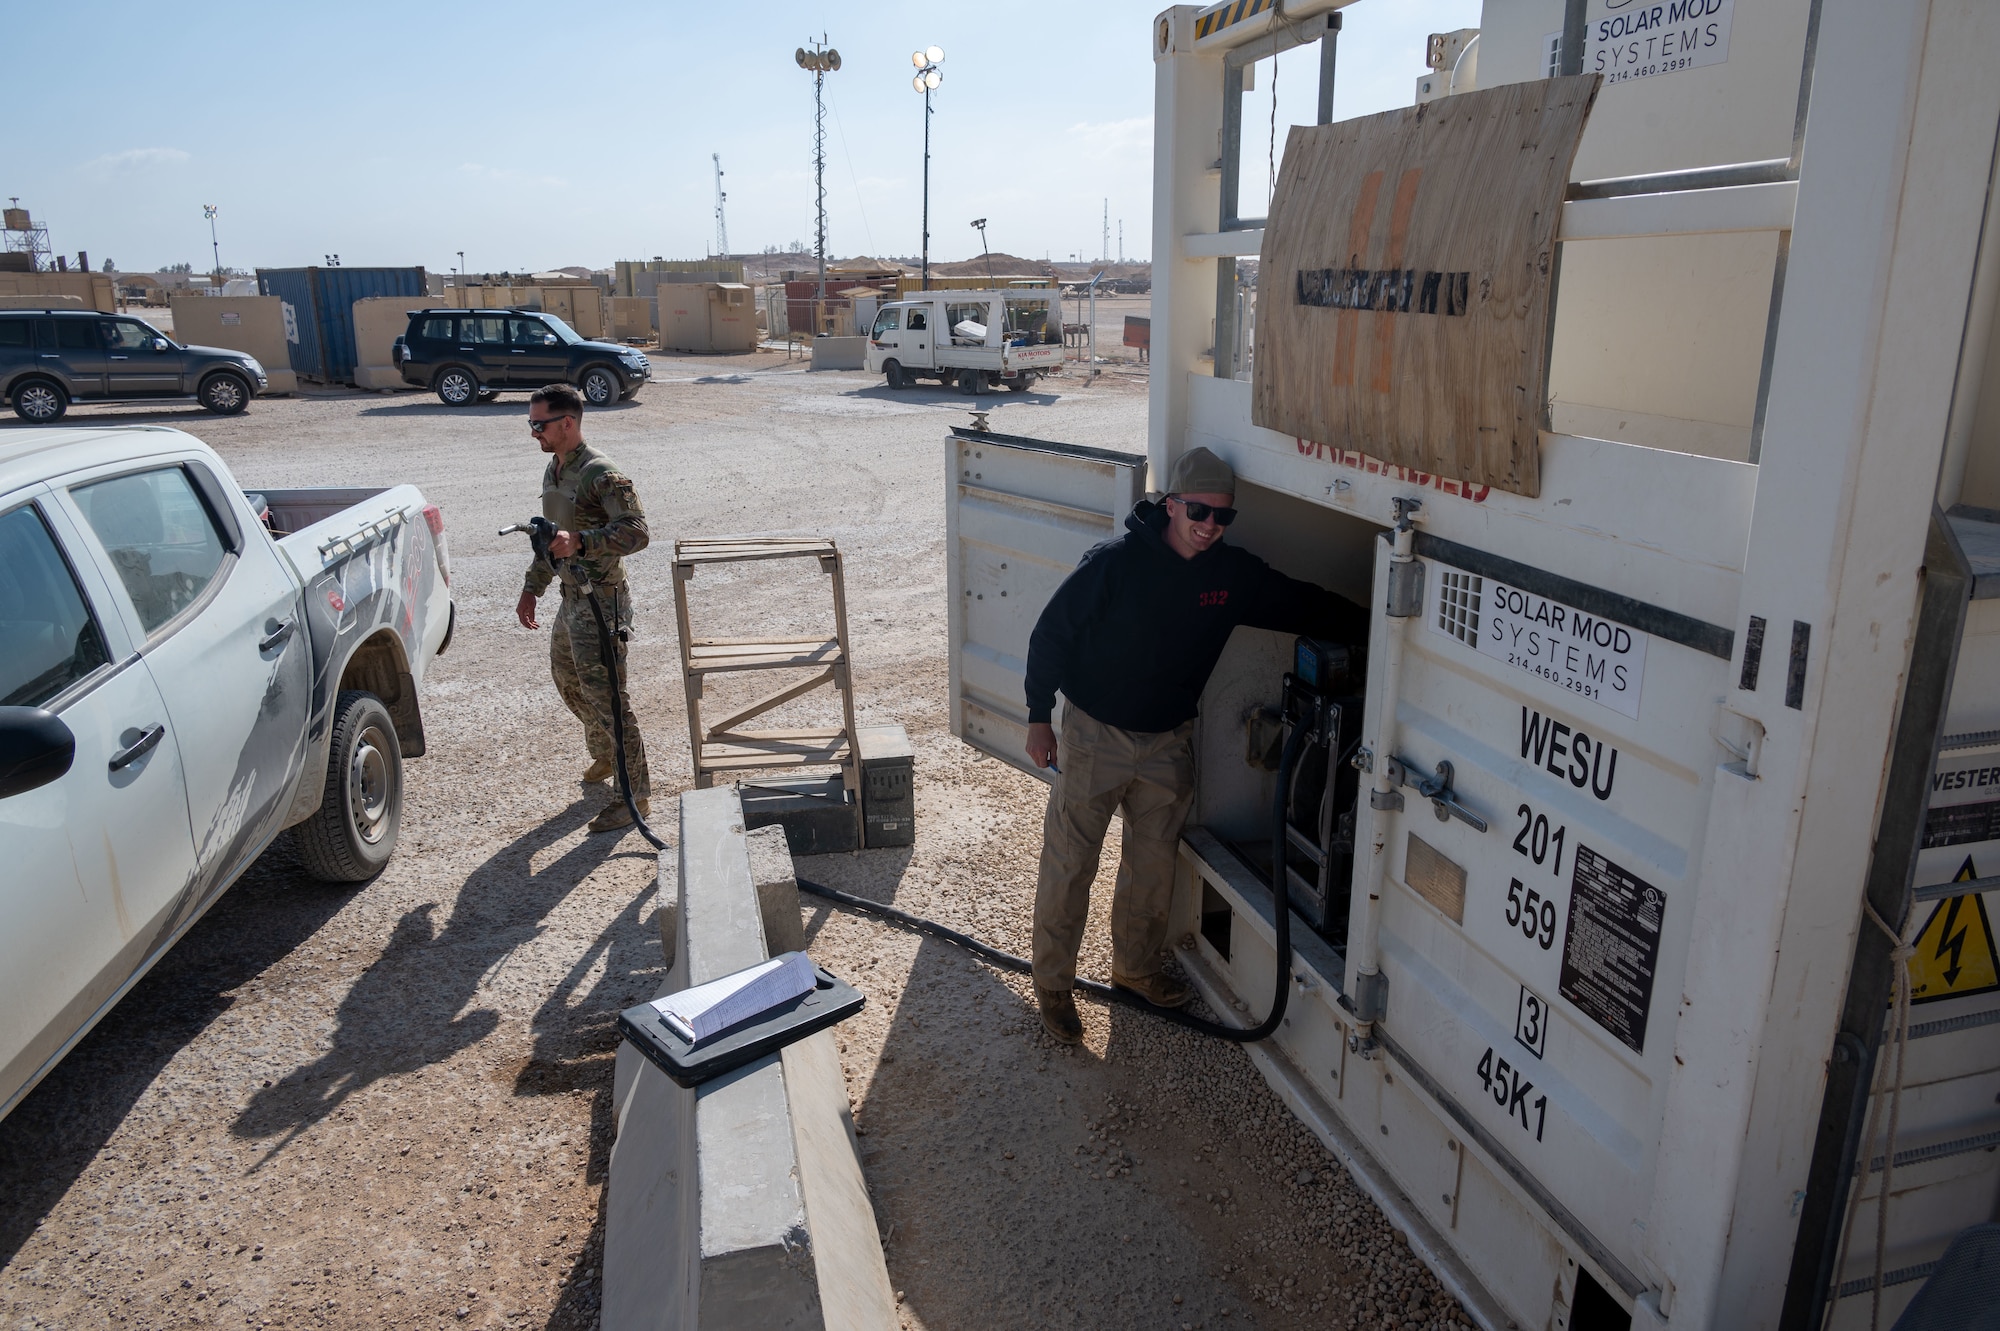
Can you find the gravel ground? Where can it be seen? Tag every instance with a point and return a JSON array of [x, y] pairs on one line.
[[389, 1105]]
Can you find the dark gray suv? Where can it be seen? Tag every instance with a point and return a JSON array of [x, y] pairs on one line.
[[468, 356], [51, 358]]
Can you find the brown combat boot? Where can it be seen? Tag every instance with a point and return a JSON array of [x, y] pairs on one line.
[[1160, 989], [617, 815], [1059, 1017], [600, 769]]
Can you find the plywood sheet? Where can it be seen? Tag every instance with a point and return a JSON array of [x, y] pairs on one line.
[[1404, 289]]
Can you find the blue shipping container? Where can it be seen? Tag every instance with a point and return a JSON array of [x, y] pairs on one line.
[[319, 312]]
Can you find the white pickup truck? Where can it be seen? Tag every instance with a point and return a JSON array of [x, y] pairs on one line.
[[186, 670], [976, 339]]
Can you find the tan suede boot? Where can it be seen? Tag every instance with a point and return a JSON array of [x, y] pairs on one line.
[[600, 769], [617, 815], [1160, 989], [1059, 1015]]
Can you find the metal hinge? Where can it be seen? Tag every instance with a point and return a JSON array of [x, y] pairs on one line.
[[1406, 589]]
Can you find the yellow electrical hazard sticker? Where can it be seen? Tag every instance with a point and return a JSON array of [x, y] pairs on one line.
[[1955, 952]]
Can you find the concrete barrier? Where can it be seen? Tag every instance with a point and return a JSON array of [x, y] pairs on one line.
[[252, 324], [839, 353], [740, 1203]]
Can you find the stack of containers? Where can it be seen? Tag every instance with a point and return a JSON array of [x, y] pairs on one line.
[[318, 309]]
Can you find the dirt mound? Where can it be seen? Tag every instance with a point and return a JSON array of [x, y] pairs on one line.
[[999, 264]]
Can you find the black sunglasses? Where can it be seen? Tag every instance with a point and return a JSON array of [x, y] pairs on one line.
[[536, 427], [1200, 512]]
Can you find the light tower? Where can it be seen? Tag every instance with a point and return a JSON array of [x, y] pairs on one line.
[[721, 226], [1107, 233], [820, 60], [208, 210], [927, 79], [979, 224]]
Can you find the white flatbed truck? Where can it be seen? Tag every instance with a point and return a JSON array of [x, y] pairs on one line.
[[978, 340], [1624, 1047]]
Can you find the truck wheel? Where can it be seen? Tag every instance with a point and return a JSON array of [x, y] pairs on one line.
[[40, 401], [1021, 382], [971, 382], [893, 373], [600, 386], [353, 832], [224, 394], [456, 387]]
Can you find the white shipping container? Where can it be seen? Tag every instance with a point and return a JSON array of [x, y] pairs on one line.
[[1723, 693]]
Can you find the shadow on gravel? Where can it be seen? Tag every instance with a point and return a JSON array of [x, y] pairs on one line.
[[408, 1009], [930, 393], [514, 406], [54, 1134]]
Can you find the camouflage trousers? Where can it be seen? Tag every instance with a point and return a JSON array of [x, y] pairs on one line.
[[576, 659]]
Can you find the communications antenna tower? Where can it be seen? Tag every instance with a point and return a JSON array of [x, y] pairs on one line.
[[820, 60], [1107, 232], [721, 225]]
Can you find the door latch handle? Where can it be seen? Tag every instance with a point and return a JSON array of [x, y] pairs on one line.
[[276, 636], [1437, 789], [138, 748]]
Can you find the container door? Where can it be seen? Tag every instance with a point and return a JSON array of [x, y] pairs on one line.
[[1534, 966], [1019, 515]]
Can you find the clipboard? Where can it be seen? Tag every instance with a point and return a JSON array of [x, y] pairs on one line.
[[830, 1002]]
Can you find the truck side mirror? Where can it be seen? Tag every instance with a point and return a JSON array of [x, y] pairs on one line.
[[35, 749], [549, 339], [161, 344]]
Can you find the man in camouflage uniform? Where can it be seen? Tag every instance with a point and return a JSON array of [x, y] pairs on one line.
[[598, 522]]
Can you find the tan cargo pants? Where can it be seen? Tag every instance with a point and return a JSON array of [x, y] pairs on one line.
[[576, 660], [1149, 779]]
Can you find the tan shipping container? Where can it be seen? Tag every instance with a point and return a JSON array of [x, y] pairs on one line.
[[707, 317], [581, 307], [378, 322], [91, 289], [255, 324], [631, 318]]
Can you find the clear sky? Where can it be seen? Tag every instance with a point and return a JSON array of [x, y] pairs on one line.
[[534, 136]]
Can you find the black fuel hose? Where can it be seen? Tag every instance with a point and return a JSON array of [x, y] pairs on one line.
[[1280, 898], [610, 650]]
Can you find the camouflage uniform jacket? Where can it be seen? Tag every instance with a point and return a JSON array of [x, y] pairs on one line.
[[587, 494]]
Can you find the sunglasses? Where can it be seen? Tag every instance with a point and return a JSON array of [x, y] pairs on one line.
[[536, 427], [1200, 512]]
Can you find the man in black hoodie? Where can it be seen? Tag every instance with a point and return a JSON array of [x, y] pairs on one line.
[[1130, 638]]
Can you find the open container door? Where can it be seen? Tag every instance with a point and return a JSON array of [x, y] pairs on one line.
[[1019, 514]]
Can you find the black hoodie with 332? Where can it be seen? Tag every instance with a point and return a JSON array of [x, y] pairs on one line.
[[1133, 632]]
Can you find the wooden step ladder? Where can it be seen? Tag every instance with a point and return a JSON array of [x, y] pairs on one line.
[[719, 746]]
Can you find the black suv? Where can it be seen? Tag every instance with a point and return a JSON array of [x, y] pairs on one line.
[[51, 358], [473, 355]]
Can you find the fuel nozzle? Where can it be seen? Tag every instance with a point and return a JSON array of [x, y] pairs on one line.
[[540, 533]]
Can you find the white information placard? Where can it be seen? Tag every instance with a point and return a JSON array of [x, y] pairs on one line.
[[1638, 39], [1584, 654]]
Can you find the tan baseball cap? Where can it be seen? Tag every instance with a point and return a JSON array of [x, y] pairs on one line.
[[1200, 472]]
